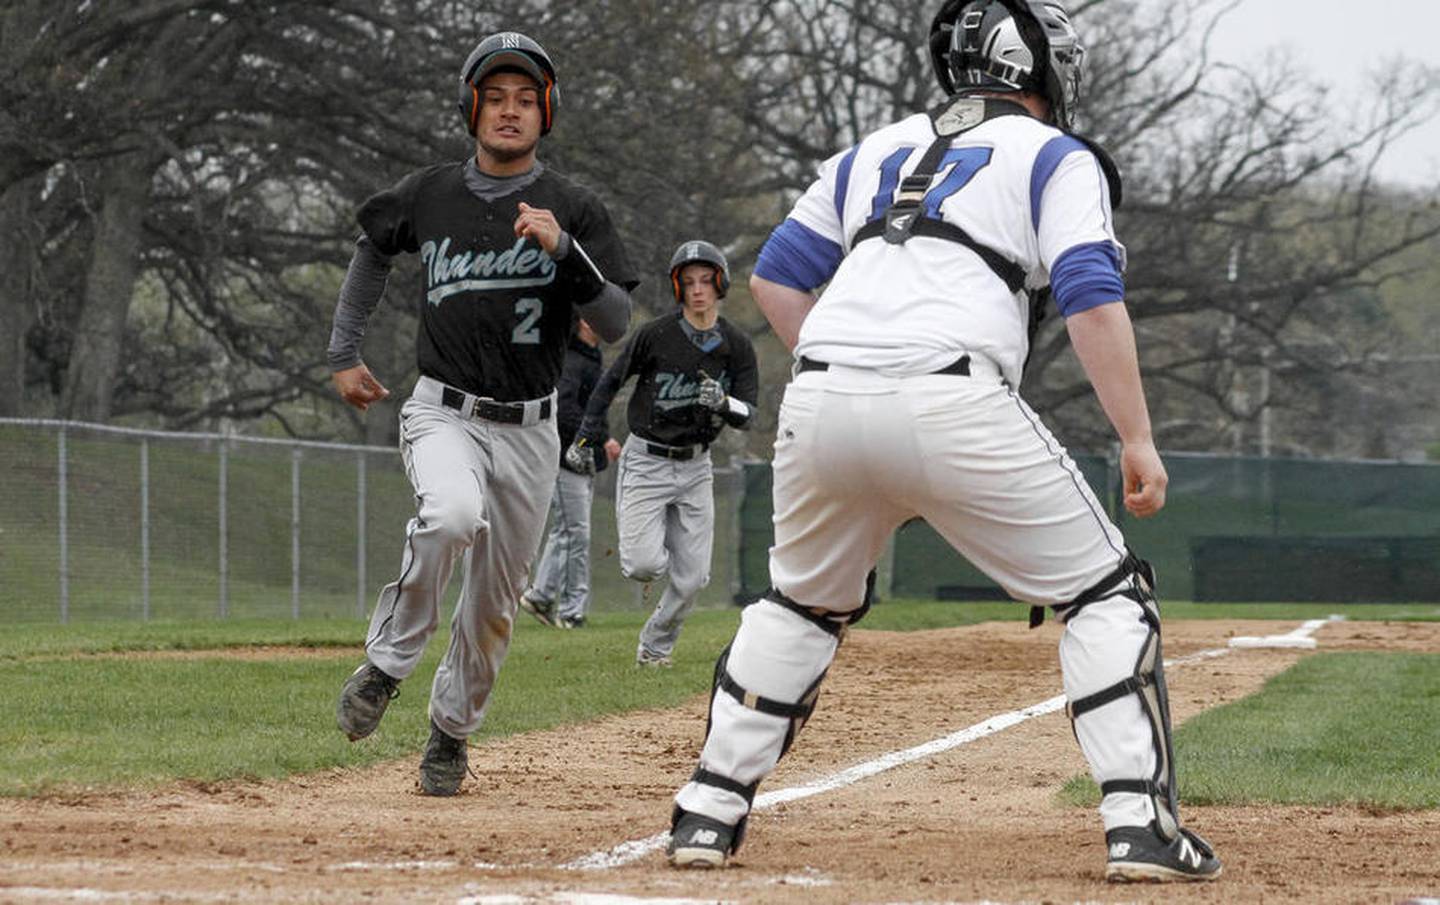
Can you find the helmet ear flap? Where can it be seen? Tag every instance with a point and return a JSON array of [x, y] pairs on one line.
[[469, 104], [552, 104]]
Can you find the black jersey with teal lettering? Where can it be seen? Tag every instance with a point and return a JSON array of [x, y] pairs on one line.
[[494, 315], [668, 367]]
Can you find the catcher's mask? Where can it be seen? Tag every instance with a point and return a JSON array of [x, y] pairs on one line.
[[1009, 45], [508, 50], [698, 251]]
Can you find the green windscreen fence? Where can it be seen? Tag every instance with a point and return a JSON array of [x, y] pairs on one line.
[[1233, 529]]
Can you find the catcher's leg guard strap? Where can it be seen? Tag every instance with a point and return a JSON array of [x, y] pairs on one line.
[[834, 623], [705, 778], [1114, 582]]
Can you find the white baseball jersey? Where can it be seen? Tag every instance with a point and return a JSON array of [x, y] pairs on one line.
[[1014, 183]]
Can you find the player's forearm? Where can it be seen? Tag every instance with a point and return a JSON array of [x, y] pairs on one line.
[[785, 308], [360, 292], [1104, 341]]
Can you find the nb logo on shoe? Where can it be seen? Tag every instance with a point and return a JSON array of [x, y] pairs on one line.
[[1188, 853], [1119, 849], [704, 837]]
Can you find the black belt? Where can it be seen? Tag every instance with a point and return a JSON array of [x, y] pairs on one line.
[[678, 453], [958, 368], [489, 409]]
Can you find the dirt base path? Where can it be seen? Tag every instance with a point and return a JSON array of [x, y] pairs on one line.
[[978, 822]]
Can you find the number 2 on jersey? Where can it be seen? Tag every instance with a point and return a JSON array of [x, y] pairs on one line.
[[962, 163], [528, 310]]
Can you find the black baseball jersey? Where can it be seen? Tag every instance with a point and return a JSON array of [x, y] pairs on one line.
[[495, 311], [667, 364]]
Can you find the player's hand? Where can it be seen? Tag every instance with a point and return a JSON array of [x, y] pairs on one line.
[[612, 449], [579, 458], [712, 393], [538, 224], [1145, 479], [359, 387]]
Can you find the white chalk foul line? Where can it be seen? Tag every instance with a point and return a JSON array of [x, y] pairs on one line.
[[635, 849], [630, 851]]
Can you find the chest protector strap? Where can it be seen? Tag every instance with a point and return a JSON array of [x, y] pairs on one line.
[[905, 217]]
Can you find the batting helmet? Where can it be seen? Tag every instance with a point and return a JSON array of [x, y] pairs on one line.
[[698, 251], [1009, 45], [508, 50]]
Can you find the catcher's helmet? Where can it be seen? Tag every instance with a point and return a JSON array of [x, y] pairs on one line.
[[508, 50], [1009, 45], [698, 251]]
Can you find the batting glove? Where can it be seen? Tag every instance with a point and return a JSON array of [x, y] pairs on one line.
[[579, 458], [712, 394]]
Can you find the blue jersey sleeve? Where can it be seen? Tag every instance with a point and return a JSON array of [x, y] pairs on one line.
[[1087, 276], [798, 257]]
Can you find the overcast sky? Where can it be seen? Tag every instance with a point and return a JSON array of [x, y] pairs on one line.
[[1336, 41]]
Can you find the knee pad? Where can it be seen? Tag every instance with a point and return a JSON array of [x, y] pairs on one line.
[[1133, 598]]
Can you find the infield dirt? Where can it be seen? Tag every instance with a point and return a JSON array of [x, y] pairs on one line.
[[980, 822]]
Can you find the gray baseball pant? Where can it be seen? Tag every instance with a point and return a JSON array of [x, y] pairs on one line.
[[563, 576], [481, 489], [665, 512]]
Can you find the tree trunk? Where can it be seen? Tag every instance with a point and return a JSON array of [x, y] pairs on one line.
[[17, 309], [109, 285]]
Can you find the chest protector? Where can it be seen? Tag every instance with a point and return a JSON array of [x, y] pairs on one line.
[[906, 216]]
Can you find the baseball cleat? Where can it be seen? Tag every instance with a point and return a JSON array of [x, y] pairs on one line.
[[363, 700], [1139, 855], [699, 842], [542, 610], [570, 622], [653, 661], [444, 765]]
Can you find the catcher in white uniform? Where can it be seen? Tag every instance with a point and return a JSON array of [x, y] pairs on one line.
[[938, 235]]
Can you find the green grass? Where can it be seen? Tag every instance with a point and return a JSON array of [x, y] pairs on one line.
[[79, 718], [1339, 728], [82, 713]]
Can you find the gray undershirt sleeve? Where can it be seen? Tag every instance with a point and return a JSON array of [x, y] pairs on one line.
[[359, 294], [608, 312]]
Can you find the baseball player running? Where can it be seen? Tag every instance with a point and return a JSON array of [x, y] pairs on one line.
[[510, 250], [695, 373], [933, 234], [559, 595]]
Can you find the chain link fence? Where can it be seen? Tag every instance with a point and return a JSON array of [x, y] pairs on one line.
[[109, 523]]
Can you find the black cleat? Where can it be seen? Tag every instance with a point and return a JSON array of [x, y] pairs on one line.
[[542, 610], [363, 700], [1138, 854], [700, 842], [444, 765]]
